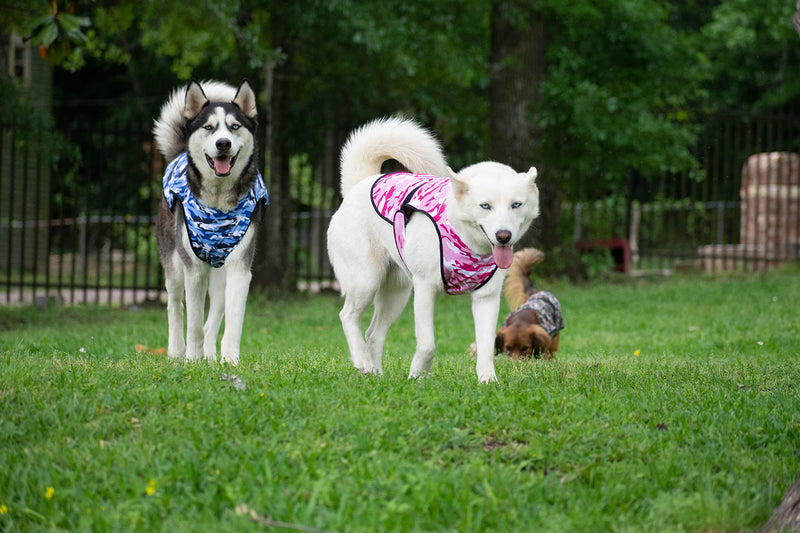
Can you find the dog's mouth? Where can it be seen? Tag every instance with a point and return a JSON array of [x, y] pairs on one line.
[[502, 254], [221, 164]]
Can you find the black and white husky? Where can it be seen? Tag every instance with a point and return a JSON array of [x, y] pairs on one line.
[[213, 199]]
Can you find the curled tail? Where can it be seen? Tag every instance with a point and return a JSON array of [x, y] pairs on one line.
[[518, 286], [403, 140], [168, 129]]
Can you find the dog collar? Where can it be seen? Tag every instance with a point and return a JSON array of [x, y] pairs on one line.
[[213, 233]]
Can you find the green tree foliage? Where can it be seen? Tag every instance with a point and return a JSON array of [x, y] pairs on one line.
[[621, 91], [351, 61], [754, 55], [623, 76], [55, 32]]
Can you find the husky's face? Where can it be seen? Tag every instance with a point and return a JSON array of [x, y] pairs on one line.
[[497, 204], [220, 135]]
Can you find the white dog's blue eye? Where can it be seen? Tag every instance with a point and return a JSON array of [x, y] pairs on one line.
[[235, 127], [485, 206], [516, 205], [208, 127]]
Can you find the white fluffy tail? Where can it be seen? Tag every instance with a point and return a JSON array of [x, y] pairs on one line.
[[168, 129], [403, 140]]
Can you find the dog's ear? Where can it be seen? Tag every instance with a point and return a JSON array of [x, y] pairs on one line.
[[246, 99], [499, 342], [196, 100], [554, 343], [540, 340], [460, 187], [531, 175]]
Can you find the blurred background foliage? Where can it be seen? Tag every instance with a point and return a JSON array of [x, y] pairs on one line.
[[606, 89]]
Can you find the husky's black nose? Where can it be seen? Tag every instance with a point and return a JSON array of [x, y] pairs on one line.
[[503, 236], [223, 144]]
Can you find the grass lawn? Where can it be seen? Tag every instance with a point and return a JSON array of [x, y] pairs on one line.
[[672, 406]]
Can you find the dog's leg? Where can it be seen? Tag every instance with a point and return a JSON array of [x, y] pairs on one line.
[[355, 302], [424, 301], [390, 301], [196, 289], [357, 247], [216, 310], [485, 308], [176, 346], [238, 285]]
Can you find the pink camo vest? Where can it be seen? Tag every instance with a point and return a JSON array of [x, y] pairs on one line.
[[397, 196]]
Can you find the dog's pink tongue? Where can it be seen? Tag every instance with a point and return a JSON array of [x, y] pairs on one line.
[[503, 255], [222, 165]]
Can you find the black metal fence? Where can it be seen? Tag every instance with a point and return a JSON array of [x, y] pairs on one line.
[[76, 215], [696, 220], [76, 222]]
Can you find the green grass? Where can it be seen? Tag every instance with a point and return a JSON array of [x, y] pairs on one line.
[[698, 432]]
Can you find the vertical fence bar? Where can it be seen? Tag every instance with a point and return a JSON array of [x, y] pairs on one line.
[[2, 163], [154, 209], [13, 175], [38, 226], [61, 239], [296, 229], [100, 209], [23, 224]]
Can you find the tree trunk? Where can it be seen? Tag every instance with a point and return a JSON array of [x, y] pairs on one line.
[[787, 515], [271, 266], [518, 65]]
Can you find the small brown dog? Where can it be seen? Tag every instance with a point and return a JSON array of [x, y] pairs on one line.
[[533, 328]]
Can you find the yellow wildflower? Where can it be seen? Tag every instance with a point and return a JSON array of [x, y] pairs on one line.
[[3, 509], [637, 352], [151, 487], [48, 493]]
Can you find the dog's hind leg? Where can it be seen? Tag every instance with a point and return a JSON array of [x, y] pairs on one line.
[[216, 310], [424, 301], [356, 301], [390, 300], [360, 262]]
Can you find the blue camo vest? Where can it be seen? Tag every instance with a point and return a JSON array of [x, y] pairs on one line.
[[213, 233]]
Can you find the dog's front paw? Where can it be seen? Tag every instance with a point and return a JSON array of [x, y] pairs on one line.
[[486, 375], [369, 370], [231, 359]]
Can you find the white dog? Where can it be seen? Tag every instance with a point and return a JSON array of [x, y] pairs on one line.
[[432, 230]]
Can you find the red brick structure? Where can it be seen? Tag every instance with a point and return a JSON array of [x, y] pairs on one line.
[[770, 217]]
